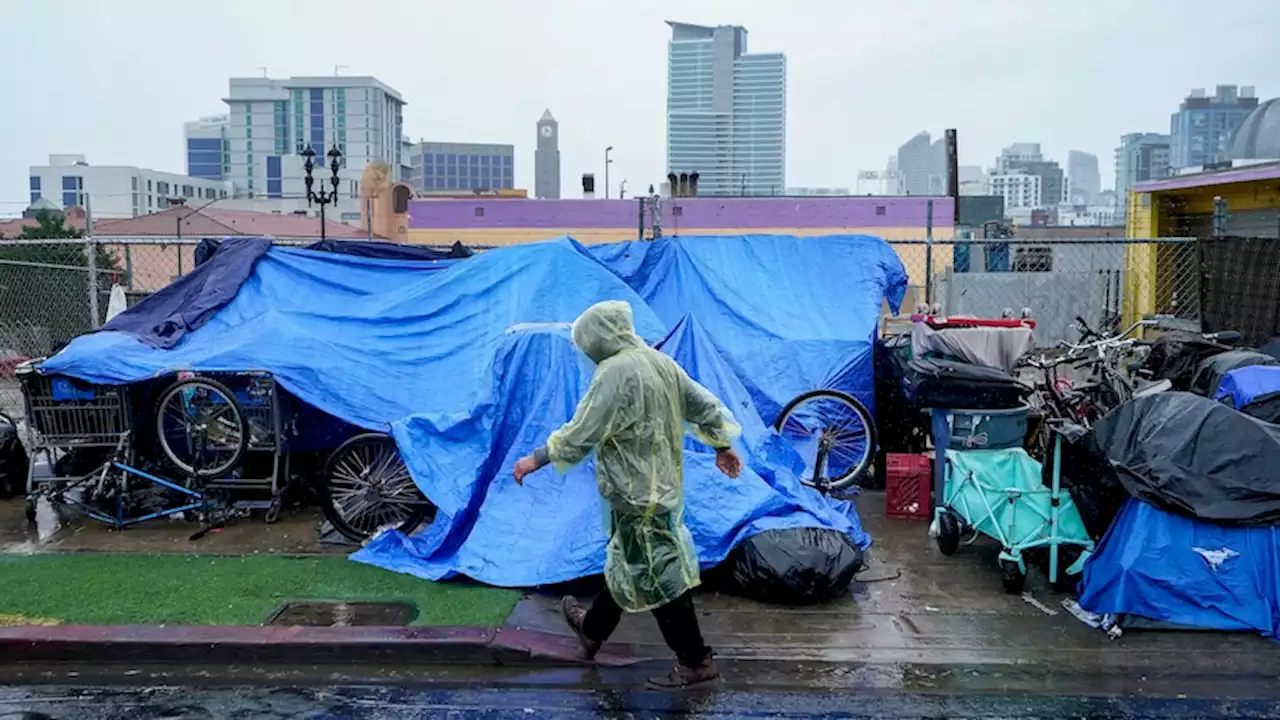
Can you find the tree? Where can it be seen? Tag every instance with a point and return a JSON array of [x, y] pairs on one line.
[[44, 287], [51, 225]]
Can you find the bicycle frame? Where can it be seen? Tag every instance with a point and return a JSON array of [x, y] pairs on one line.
[[119, 472]]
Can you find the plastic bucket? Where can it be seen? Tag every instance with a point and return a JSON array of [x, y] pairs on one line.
[[980, 429]]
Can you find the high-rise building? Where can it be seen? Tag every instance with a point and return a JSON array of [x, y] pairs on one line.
[[439, 166], [1086, 181], [272, 121], [1026, 158], [1200, 131], [208, 155], [726, 111], [922, 166], [546, 158], [1140, 157]]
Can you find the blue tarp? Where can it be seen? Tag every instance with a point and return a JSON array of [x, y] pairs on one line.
[[450, 358], [495, 531], [789, 314], [1184, 571], [1247, 385]]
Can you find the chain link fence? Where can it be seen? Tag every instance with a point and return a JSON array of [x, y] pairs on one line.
[[1056, 280], [55, 290]]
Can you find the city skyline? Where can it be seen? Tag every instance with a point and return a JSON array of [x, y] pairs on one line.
[[849, 103]]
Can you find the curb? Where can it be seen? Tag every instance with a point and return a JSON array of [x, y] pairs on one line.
[[293, 645]]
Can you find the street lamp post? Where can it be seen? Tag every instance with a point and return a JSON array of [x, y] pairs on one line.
[[607, 163], [321, 198]]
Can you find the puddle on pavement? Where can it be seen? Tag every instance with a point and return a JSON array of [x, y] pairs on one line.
[[336, 614]]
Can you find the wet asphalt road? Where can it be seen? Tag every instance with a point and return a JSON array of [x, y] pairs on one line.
[[378, 703]]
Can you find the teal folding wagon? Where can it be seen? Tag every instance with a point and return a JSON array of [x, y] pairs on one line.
[[999, 492]]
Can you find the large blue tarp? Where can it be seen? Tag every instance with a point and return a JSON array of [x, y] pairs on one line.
[[551, 528], [457, 361], [1184, 571], [789, 314]]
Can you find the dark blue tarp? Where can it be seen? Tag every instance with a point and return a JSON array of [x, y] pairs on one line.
[[433, 356], [391, 251], [1184, 571], [184, 305], [789, 314]]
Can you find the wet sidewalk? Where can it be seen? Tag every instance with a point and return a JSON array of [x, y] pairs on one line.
[[914, 606], [913, 618]]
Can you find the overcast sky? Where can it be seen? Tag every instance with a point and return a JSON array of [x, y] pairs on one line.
[[116, 80]]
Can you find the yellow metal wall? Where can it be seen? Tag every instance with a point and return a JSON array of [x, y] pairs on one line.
[[1151, 215]]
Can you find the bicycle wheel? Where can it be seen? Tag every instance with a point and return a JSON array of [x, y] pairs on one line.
[[201, 427], [835, 434], [366, 487]]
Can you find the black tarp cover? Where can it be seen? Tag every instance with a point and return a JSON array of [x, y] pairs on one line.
[[1177, 355], [1196, 457], [1212, 369]]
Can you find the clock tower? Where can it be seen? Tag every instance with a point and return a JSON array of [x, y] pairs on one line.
[[546, 159]]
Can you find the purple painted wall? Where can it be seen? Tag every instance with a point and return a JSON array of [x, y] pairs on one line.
[[693, 213]]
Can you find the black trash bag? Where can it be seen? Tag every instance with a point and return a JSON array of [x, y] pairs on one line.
[[1175, 356], [13, 461], [795, 566]]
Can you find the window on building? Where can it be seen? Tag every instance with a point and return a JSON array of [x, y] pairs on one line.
[[35, 182], [1033, 259]]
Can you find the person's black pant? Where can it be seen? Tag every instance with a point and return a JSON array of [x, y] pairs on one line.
[[676, 619]]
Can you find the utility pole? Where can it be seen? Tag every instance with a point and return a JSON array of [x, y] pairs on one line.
[[607, 163]]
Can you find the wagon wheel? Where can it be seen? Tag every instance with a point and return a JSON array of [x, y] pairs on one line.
[[366, 487], [201, 427], [835, 434]]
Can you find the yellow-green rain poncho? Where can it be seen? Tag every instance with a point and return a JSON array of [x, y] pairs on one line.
[[634, 415]]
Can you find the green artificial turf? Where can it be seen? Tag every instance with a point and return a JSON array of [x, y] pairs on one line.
[[119, 589]]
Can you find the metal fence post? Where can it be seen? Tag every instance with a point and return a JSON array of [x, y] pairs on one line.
[[928, 254], [91, 260]]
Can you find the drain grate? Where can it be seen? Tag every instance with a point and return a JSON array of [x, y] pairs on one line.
[[339, 614]]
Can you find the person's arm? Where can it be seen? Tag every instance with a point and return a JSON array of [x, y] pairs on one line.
[[570, 444], [712, 423]]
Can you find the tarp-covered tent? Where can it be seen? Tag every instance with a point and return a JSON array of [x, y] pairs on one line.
[[789, 314], [1160, 566], [1195, 543], [1190, 455], [441, 354]]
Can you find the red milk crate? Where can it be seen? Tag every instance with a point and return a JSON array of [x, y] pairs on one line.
[[908, 487]]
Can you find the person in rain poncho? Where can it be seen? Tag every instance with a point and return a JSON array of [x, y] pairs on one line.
[[635, 415]]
